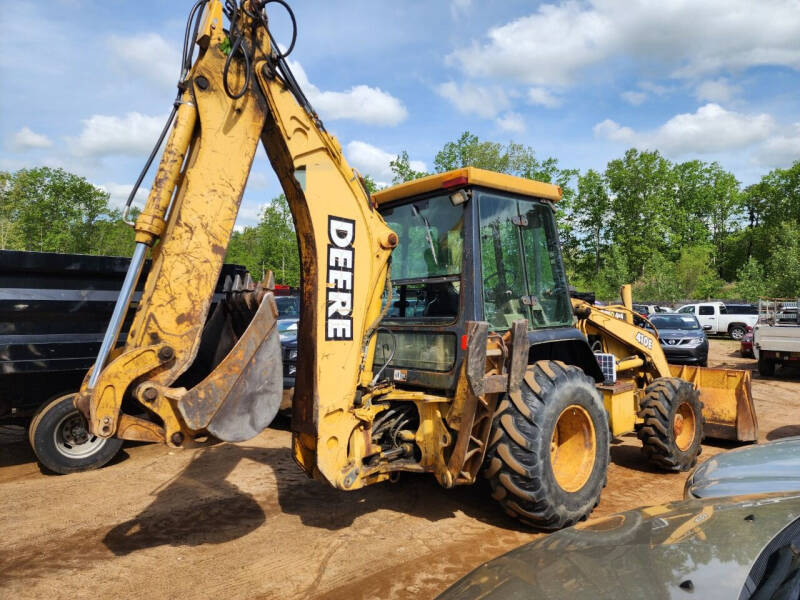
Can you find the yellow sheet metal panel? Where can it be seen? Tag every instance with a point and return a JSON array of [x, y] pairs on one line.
[[470, 176], [620, 402]]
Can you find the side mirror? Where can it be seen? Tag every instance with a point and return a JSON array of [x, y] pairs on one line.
[[707, 327]]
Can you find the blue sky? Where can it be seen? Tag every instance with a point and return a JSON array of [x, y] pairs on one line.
[[87, 84]]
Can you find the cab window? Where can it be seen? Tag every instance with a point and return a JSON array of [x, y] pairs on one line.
[[687, 309], [523, 276], [426, 265], [706, 310]]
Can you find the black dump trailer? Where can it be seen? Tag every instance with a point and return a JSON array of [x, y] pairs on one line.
[[54, 309]]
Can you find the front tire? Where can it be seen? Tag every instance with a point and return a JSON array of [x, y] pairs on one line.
[[673, 424], [548, 451], [62, 442]]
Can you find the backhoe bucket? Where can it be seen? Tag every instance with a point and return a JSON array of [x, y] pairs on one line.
[[241, 396], [727, 401]]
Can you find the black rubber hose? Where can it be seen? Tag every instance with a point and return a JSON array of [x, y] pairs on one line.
[[283, 3], [237, 47]]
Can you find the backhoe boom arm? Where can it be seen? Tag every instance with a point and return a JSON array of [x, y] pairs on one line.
[[239, 91]]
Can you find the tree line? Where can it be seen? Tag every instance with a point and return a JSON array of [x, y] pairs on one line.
[[677, 230]]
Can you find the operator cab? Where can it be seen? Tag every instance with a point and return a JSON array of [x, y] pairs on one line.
[[473, 246]]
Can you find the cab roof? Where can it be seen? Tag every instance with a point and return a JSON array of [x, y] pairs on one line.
[[469, 176]]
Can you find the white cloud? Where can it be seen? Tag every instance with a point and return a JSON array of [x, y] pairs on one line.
[[119, 193], [710, 129], [460, 7], [716, 90], [360, 103], [611, 130], [257, 181], [147, 55], [485, 102], [25, 139], [103, 135], [555, 45], [511, 121], [373, 161], [541, 96], [653, 88], [634, 98], [782, 149]]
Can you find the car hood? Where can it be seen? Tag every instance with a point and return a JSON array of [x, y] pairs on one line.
[[770, 467], [680, 333], [689, 549]]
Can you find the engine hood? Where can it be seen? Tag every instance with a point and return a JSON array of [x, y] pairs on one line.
[[770, 467], [681, 333], [689, 549]]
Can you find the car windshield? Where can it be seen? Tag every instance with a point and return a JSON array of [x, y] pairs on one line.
[[288, 307], [675, 321]]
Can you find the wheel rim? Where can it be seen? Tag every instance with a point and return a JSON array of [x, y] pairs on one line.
[[73, 439], [737, 334], [683, 426], [573, 448]]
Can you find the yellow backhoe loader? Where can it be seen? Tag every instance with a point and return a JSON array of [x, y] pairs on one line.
[[436, 332]]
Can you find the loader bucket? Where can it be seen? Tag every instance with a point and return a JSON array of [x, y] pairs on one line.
[[727, 400], [241, 396]]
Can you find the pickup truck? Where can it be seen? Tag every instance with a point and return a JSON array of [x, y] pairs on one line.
[[54, 309], [776, 337], [721, 319]]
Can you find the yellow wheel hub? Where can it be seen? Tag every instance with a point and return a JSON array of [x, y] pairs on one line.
[[573, 448], [683, 426]]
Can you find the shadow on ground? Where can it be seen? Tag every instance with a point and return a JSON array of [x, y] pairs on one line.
[[200, 506]]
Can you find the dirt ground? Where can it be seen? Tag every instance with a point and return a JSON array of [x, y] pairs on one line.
[[241, 521]]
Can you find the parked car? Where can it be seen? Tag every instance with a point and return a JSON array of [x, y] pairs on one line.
[[715, 318], [746, 345], [647, 310], [681, 338], [288, 318], [765, 468], [288, 312], [717, 548]]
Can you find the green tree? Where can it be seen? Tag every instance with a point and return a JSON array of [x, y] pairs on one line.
[[783, 266], [641, 189], [751, 281], [402, 171], [51, 210], [469, 151], [592, 211], [658, 281], [695, 274], [269, 245]]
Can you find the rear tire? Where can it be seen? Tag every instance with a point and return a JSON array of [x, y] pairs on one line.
[[766, 367], [60, 438], [673, 424], [736, 332], [548, 454]]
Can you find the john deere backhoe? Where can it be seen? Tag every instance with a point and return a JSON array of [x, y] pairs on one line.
[[436, 334]]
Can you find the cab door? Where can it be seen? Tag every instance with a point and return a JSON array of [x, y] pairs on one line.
[[707, 315]]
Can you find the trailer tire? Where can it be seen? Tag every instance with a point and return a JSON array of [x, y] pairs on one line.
[[766, 367], [59, 438], [673, 424], [737, 331], [548, 451]]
